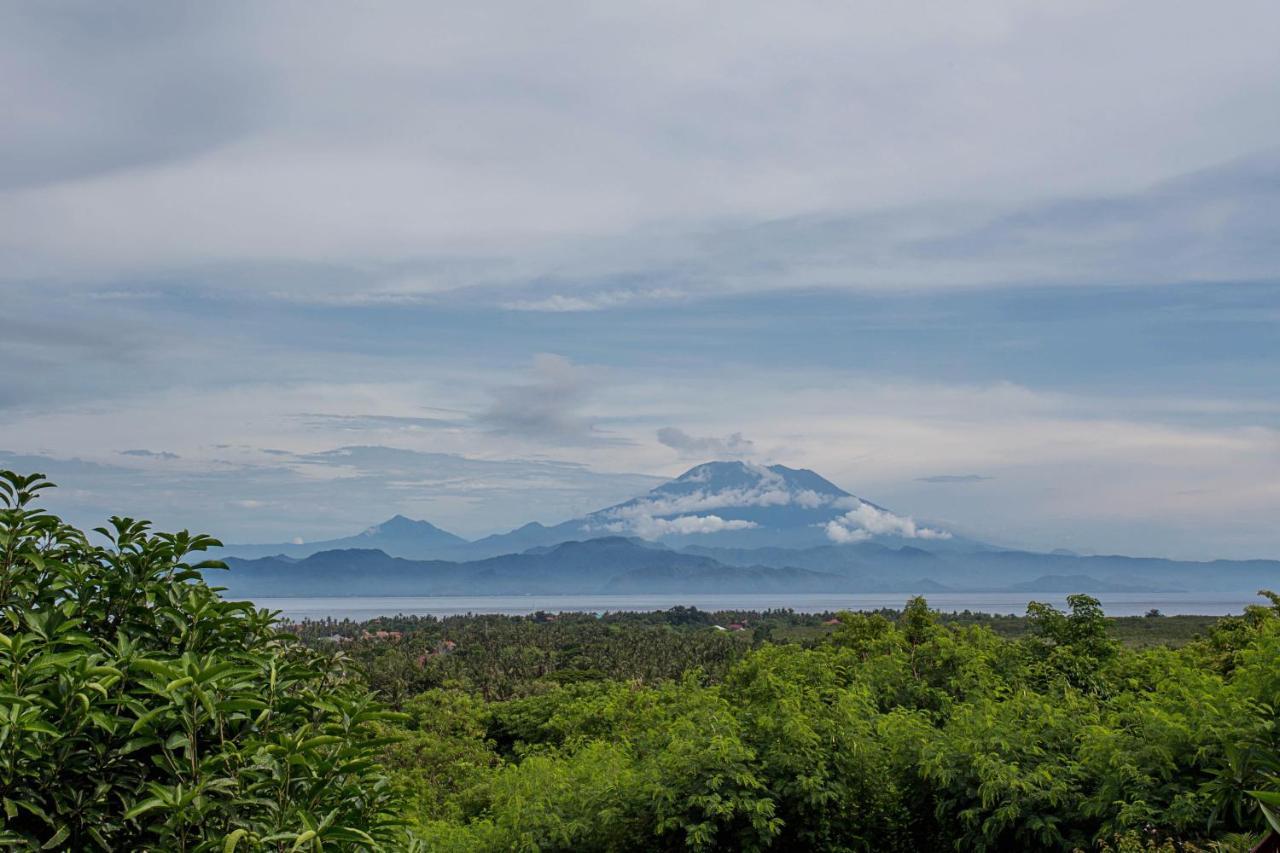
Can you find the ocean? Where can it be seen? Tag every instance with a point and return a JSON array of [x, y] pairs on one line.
[[365, 607]]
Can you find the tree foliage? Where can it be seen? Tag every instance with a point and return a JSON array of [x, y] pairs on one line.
[[139, 710], [891, 734]]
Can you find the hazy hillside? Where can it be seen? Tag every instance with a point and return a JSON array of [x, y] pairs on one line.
[[618, 564], [611, 564]]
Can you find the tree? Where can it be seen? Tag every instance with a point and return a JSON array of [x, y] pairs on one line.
[[1074, 644], [140, 710]]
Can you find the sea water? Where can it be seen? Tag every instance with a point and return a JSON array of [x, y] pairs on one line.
[[368, 607]]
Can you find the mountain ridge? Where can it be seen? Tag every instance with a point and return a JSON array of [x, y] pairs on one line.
[[726, 503], [740, 516], [597, 565]]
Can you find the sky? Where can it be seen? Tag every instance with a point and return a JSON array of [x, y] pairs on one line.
[[278, 271]]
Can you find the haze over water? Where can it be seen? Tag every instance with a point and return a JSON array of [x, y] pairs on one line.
[[361, 607]]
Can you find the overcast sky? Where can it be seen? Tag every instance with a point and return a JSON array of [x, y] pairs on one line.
[[280, 270]]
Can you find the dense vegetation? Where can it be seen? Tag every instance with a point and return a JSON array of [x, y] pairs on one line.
[[502, 657], [138, 710], [884, 734]]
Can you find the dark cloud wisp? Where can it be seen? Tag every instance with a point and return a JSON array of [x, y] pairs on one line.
[[711, 447], [954, 478]]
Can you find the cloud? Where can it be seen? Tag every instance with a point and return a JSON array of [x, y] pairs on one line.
[[328, 493], [95, 113], [380, 422], [866, 521], [593, 301], [548, 408], [698, 501], [150, 454], [648, 527], [554, 142], [731, 446], [1158, 428], [954, 478]]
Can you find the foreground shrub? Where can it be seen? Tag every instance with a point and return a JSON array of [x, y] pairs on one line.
[[141, 711]]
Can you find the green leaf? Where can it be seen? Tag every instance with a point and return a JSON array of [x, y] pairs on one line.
[[1269, 802], [144, 807], [304, 839], [147, 719], [58, 837], [232, 840], [137, 743]]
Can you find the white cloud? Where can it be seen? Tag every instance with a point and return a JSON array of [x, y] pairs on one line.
[[648, 527], [866, 521], [593, 301], [842, 535], [763, 496]]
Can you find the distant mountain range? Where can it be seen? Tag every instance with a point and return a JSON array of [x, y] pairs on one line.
[[609, 564], [397, 536], [719, 527], [724, 504]]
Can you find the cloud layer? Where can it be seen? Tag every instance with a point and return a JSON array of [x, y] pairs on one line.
[[245, 494], [407, 151], [865, 521], [648, 527]]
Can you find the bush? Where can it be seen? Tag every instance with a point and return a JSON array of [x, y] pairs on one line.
[[139, 710]]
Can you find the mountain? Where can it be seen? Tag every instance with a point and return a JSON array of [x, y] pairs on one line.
[[619, 565], [1080, 583], [738, 505], [1012, 571], [349, 571], [723, 504], [859, 556], [609, 564], [727, 526], [403, 537]]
